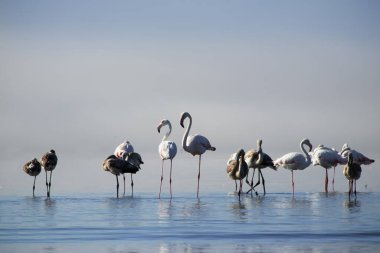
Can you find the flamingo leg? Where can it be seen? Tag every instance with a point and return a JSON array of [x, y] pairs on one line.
[[251, 185], [252, 177], [162, 178], [117, 187], [262, 177], [333, 181], [250, 190], [293, 183], [34, 185], [246, 180], [258, 181], [354, 182], [124, 184], [199, 175], [51, 172], [326, 182], [132, 183], [349, 189], [47, 185], [235, 185], [240, 188], [171, 165]]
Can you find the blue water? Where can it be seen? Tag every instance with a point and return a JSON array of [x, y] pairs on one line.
[[311, 222]]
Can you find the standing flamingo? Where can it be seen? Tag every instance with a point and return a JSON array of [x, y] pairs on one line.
[[233, 157], [357, 157], [121, 152], [134, 160], [194, 144], [167, 150], [327, 158], [258, 160], [117, 166], [238, 169], [295, 161], [352, 171], [49, 161], [33, 168]]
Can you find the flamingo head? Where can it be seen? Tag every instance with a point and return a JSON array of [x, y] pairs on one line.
[[308, 143], [163, 122], [345, 147], [183, 117], [240, 154]]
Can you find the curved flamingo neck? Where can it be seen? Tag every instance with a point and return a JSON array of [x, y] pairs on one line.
[[260, 154], [308, 158], [184, 139], [166, 136], [239, 159]]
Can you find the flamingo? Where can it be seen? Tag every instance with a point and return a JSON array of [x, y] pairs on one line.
[[295, 161], [357, 157], [194, 144], [352, 171], [167, 150], [327, 158], [122, 152], [49, 162], [33, 168], [253, 158], [233, 157], [134, 159], [238, 169], [258, 160], [118, 166]]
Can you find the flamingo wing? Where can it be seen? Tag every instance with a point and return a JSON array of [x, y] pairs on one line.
[[291, 161], [198, 144]]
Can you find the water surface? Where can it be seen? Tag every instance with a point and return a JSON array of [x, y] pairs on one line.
[[216, 222]]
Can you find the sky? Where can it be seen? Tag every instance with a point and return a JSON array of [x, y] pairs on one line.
[[80, 77]]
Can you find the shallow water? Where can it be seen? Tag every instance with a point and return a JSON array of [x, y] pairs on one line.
[[311, 222]]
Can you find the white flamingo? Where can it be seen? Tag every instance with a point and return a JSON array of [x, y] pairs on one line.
[[122, 151], [167, 151], [237, 169], [357, 157], [352, 171], [33, 168], [295, 161], [327, 158], [194, 144]]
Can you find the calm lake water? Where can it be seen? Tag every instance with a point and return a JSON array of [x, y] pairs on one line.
[[311, 222]]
